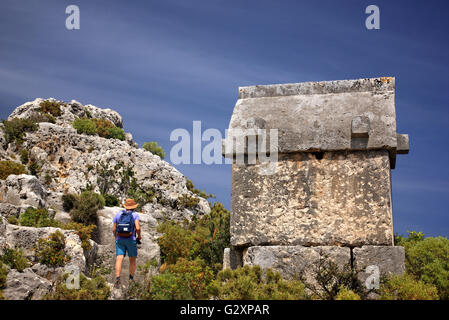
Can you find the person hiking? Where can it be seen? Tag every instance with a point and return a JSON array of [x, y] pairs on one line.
[[126, 226]]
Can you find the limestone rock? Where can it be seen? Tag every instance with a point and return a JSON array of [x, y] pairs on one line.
[[232, 258], [25, 285], [23, 190], [62, 217], [294, 261], [388, 260], [25, 238], [342, 199]]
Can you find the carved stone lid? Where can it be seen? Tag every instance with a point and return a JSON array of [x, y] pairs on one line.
[[324, 116]]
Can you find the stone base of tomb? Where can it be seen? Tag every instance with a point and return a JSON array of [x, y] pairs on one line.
[[300, 262]]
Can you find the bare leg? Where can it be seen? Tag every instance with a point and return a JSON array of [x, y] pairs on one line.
[[132, 265], [118, 265]]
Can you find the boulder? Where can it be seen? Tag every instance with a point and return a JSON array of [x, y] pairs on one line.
[[384, 260], [25, 285], [23, 190], [295, 261], [26, 238]]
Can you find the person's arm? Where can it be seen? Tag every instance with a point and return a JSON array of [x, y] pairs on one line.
[[137, 224], [114, 226]]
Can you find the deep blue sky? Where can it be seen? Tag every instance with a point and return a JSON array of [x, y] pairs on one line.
[[163, 64]]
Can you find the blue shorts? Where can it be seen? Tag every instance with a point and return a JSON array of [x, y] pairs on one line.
[[126, 245]]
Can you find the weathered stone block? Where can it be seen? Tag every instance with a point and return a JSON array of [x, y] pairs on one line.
[[388, 260], [294, 261], [341, 199], [360, 127], [318, 115], [232, 258]]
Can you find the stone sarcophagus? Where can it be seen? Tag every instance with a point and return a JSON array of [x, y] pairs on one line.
[[333, 144]]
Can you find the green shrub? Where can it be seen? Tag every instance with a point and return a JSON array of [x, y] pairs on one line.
[[90, 289], [103, 127], [12, 220], [111, 200], [16, 128], [191, 188], [405, 287], [50, 251], [14, 258], [38, 218], [183, 280], [116, 133], [10, 167], [48, 178], [205, 238], [86, 126], [176, 241], [84, 232], [329, 279], [154, 148], [34, 167], [68, 201], [427, 259], [51, 107], [186, 201], [3, 275], [346, 294], [24, 156], [248, 283], [38, 117], [86, 207]]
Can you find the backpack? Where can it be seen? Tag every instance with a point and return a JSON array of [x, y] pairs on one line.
[[125, 224]]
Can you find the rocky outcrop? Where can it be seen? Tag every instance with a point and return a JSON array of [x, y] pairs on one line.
[[25, 285], [70, 162], [23, 190]]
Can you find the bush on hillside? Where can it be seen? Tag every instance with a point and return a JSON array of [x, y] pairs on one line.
[[37, 217], [85, 126], [16, 128], [202, 194], [111, 200], [154, 148], [116, 133], [50, 250], [84, 232], [406, 287], [103, 126], [205, 238], [95, 288], [86, 206], [3, 275], [39, 117], [14, 258], [187, 279], [51, 107], [8, 167], [249, 283], [68, 201], [24, 156], [427, 259]]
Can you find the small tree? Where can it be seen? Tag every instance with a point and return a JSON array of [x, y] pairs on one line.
[[86, 207]]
